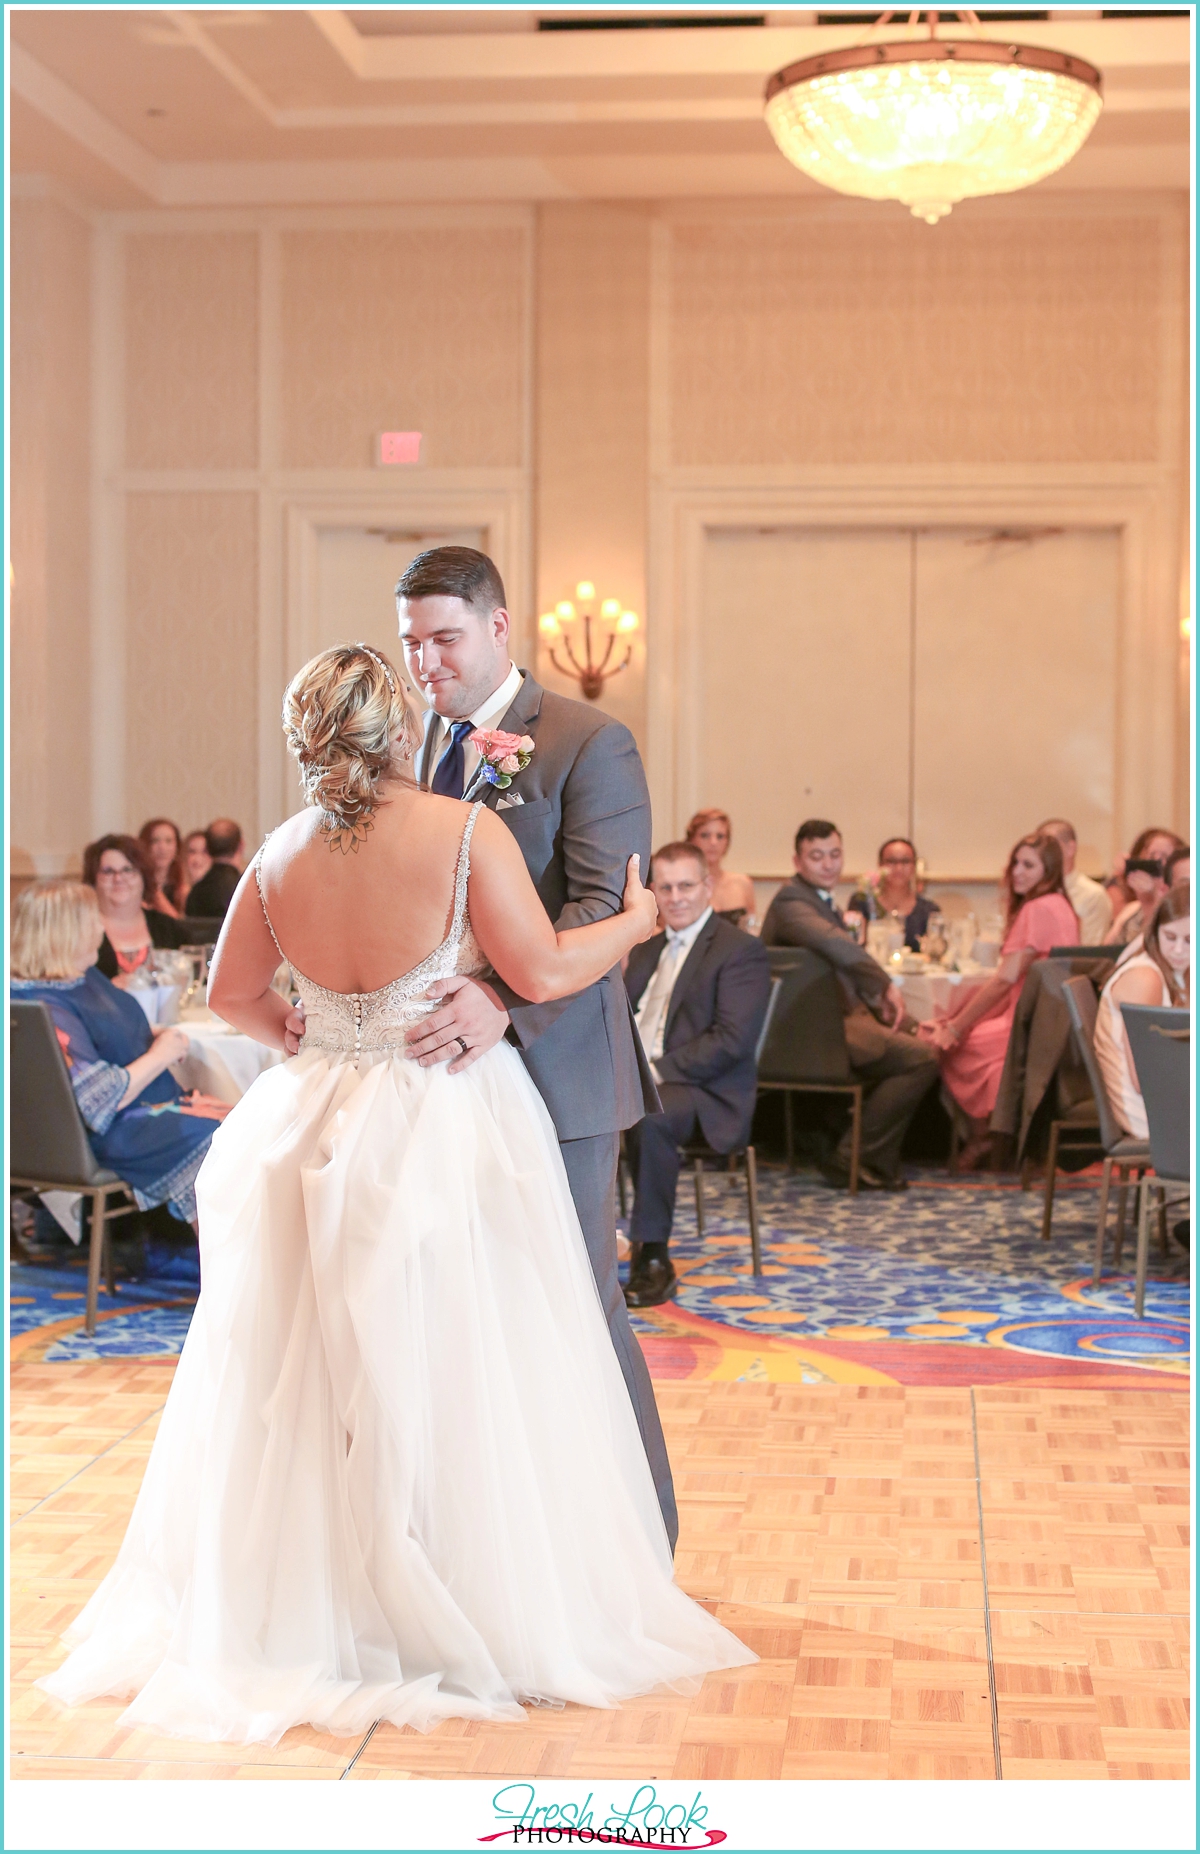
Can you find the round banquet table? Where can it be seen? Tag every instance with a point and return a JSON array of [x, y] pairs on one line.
[[221, 1061]]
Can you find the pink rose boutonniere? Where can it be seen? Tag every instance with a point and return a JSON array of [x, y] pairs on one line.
[[502, 754]]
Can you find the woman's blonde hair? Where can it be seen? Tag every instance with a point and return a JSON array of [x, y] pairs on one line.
[[348, 720], [50, 924]]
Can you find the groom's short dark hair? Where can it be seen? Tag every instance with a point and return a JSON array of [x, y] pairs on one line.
[[815, 830], [453, 573]]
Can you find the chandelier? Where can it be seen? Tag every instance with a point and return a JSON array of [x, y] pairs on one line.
[[933, 121], [593, 672]]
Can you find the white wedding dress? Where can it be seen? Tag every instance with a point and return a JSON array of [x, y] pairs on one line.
[[398, 1475]]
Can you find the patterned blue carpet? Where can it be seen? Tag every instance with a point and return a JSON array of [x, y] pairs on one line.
[[947, 1264], [913, 1287]]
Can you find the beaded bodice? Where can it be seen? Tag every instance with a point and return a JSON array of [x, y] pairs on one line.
[[353, 1023]]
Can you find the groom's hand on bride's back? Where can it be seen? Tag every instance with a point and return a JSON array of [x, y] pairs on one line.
[[293, 1030], [470, 1011]]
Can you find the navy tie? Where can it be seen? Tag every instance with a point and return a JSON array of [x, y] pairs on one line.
[[449, 777]]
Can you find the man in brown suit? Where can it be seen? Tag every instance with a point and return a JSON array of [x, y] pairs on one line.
[[897, 1070]]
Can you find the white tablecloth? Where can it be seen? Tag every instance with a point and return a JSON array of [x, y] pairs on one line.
[[928, 993], [221, 1061]]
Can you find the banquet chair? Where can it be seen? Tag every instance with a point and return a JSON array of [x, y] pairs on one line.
[[48, 1143], [806, 1051], [1160, 1042], [1122, 1153], [1055, 1073], [698, 1151]]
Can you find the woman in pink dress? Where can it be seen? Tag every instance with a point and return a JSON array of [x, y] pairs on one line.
[[973, 1039]]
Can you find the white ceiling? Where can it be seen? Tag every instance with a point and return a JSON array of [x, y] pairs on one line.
[[261, 106]]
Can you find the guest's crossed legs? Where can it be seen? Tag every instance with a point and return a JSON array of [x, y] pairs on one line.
[[898, 1072], [592, 1175]]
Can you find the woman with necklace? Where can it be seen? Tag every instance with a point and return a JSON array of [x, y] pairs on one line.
[[119, 870]]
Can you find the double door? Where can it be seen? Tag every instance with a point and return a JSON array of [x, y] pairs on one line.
[[952, 685]]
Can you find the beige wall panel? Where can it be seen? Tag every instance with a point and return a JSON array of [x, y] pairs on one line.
[[422, 329], [592, 412], [1022, 340], [795, 695], [50, 465], [1015, 694], [191, 351], [191, 647]]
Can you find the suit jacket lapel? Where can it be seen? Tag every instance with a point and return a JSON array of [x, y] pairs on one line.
[[519, 718], [433, 735], [827, 907], [643, 961], [697, 953]]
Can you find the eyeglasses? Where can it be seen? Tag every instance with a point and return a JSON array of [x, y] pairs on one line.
[[669, 890], [899, 862], [117, 875]]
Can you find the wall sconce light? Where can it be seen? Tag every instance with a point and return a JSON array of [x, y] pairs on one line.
[[591, 674]]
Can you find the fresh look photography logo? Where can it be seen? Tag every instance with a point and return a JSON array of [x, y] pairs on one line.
[[646, 1821]]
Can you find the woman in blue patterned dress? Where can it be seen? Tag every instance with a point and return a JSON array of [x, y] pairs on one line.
[[139, 1121]]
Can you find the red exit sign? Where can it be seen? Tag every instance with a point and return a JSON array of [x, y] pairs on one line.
[[399, 447]]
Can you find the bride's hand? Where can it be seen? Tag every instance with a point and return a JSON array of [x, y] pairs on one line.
[[638, 900]]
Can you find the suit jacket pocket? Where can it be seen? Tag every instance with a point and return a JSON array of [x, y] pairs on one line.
[[533, 810]]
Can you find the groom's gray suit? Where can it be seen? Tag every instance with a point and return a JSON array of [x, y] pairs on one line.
[[579, 811]]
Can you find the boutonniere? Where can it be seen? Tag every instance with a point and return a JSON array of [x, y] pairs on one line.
[[502, 754]]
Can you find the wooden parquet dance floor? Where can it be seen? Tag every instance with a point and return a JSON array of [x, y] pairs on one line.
[[835, 1528]]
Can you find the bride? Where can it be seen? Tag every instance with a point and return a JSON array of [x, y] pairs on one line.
[[398, 1475]]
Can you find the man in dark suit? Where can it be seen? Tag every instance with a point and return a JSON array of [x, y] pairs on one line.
[[213, 892], [897, 1069], [578, 810], [700, 991]]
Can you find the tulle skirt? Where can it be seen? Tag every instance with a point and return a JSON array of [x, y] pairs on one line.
[[398, 1475]]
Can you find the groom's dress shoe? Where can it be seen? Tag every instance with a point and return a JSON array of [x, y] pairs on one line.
[[650, 1284]]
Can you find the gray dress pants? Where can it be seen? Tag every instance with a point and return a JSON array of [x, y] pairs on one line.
[[592, 1175]]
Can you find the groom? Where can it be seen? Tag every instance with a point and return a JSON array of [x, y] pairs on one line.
[[578, 811]]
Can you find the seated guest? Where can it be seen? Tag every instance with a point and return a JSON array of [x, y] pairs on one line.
[[892, 889], [139, 1121], [699, 992], [973, 1039], [1142, 884], [1177, 873], [161, 841], [214, 891], [733, 895], [1159, 975], [196, 863], [1089, 899], [119, 870], [897, 1070]]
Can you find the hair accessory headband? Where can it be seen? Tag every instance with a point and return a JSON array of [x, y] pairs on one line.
[[368, 652]]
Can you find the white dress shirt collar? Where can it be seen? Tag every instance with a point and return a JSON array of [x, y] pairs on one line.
[[690, 934], [489, 714]]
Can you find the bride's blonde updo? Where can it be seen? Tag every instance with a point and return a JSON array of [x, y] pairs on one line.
[[348, 722]]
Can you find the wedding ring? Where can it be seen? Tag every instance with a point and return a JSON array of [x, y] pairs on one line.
[[461, 1041]]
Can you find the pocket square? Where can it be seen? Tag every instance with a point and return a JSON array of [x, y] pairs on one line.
[[506, 804]]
